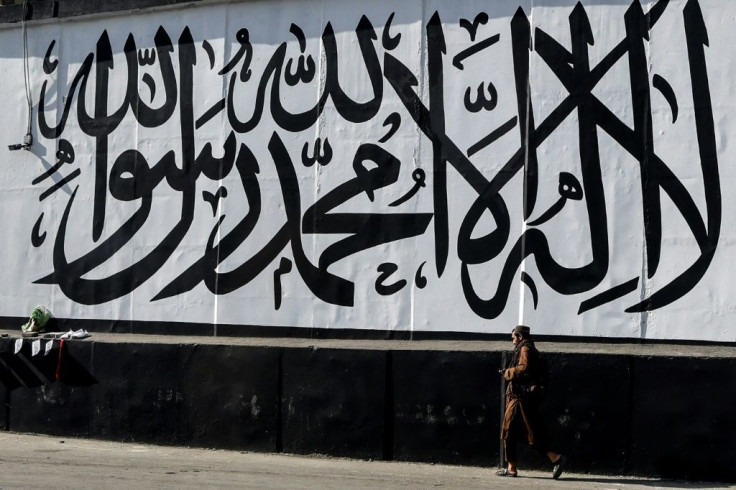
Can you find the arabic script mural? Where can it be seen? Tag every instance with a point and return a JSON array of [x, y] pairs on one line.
[[385, 170]]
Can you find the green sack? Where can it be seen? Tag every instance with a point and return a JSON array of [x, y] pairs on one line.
[[39, 318]]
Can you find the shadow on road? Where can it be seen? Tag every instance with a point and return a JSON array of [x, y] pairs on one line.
[[638, 481]]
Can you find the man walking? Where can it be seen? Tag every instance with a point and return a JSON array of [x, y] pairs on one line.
[[523, 394]]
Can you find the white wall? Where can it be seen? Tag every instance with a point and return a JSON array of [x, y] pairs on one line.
[[610, 166]]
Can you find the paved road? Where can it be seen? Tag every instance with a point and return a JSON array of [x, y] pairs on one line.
[[33, 461]]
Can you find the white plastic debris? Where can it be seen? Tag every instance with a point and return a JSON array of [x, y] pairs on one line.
[[79, 334]]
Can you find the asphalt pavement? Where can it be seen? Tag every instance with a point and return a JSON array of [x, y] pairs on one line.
[[39, 461]]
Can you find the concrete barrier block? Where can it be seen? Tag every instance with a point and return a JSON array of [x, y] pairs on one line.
[[43, 404], [586, 410], [333, 402], [446, 406], [231, 397], [684, 419], [139, 395]]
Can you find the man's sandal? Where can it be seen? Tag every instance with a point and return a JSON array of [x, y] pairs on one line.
[[505, 472], [557, 470]]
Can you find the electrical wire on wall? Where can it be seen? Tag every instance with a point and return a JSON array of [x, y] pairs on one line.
[[28, 139]]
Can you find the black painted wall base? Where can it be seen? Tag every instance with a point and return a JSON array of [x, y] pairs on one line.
[[671, 417]]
